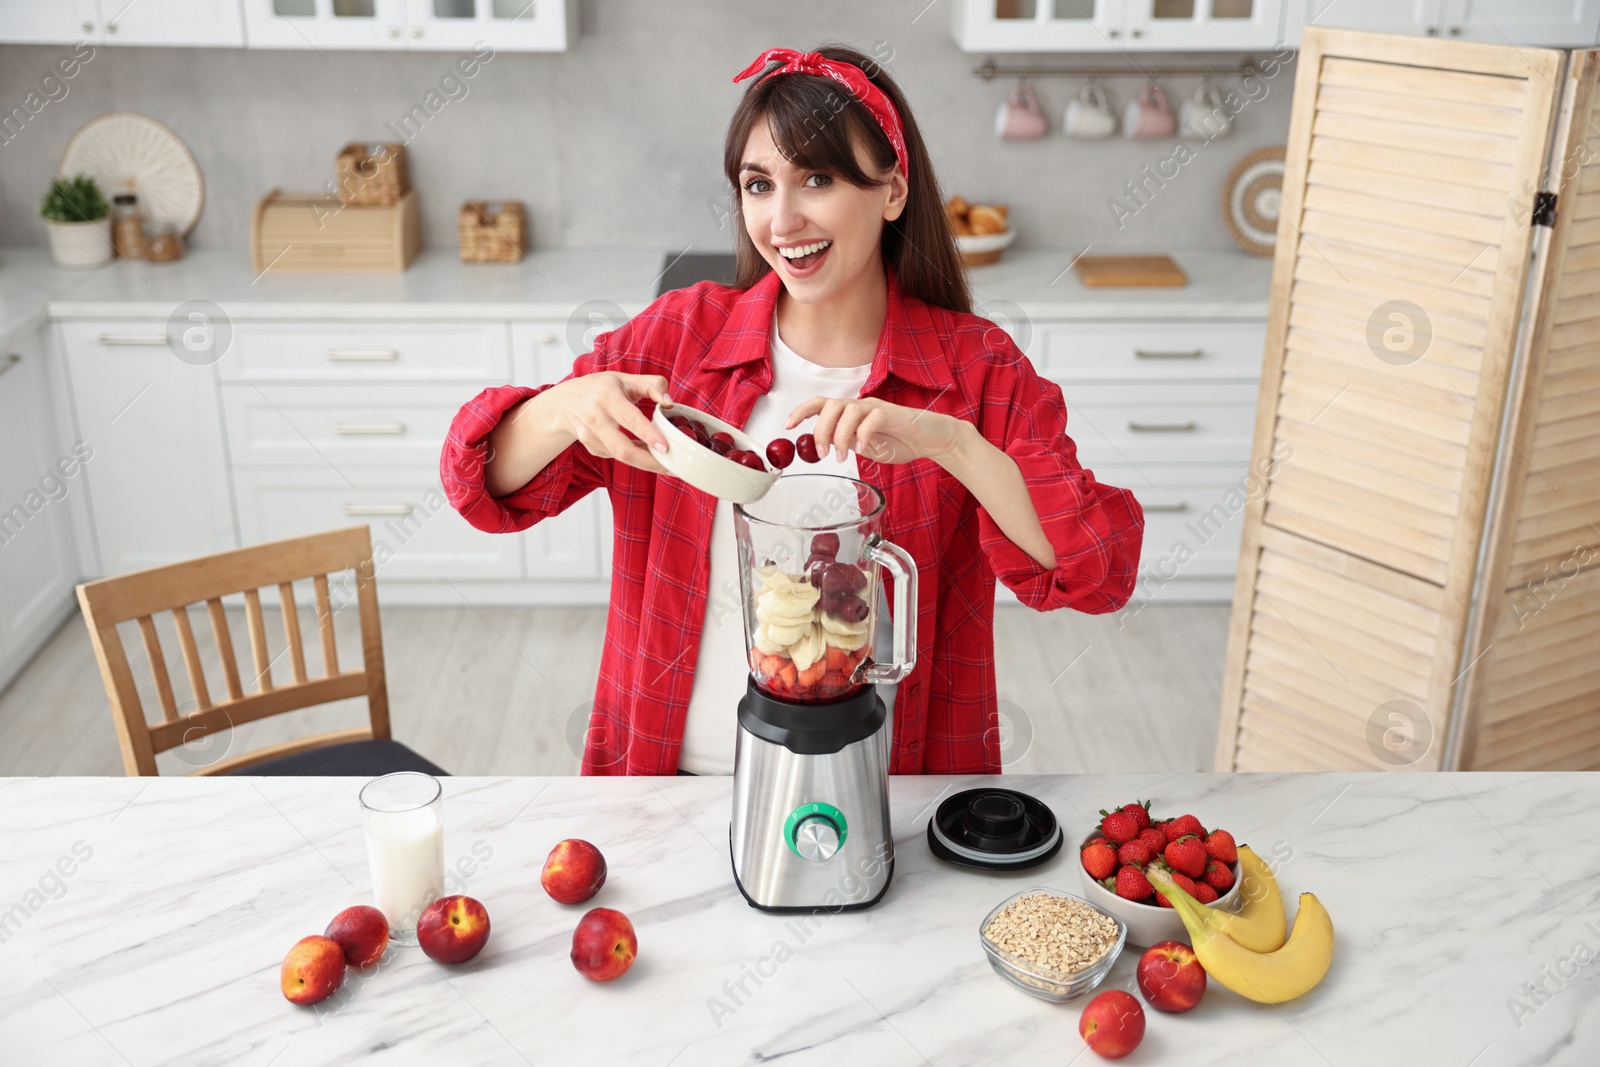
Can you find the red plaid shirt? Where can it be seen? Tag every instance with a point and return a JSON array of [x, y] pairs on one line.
[[711, 344]]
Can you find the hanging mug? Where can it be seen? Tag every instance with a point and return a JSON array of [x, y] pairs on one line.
[[1089, 116], [1203, 115], [1149, 116], [1020, 118]]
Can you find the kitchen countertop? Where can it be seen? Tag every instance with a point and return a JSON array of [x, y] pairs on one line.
[[555, 283], [162, 945]]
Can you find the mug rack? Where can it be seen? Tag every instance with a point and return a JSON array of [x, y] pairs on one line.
[[988, 70]]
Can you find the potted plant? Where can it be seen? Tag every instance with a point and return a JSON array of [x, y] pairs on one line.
[[78, 218]]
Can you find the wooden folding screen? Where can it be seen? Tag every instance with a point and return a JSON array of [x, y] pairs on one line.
[[1401, 269], [1533, 691]]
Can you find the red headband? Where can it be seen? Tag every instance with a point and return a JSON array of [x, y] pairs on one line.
[[847, 74]]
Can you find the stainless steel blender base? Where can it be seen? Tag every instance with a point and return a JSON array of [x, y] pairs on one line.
[[810, 827]]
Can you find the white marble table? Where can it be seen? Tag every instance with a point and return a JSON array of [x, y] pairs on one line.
[[1454, 896]]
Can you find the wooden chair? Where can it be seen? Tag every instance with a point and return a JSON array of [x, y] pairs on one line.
[[140, 596]]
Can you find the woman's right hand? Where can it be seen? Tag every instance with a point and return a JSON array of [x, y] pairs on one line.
[[595, 410]]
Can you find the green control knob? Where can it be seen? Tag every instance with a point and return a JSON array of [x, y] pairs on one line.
[[815, 831]]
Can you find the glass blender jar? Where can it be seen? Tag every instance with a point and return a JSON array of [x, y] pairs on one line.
[[810, 824], [809, 558]]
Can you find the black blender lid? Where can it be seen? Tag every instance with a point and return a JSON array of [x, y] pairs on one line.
[[994, 829]]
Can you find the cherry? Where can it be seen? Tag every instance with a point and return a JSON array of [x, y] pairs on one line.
[[843, 578], [854, 609], [750, 459], [805, 447], [825, 544], [682, 423], [780, 453]]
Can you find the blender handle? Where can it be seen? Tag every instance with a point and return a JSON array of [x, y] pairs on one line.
[[898, 562]]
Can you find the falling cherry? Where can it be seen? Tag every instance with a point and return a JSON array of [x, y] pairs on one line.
[[805, 447], [780, 453]]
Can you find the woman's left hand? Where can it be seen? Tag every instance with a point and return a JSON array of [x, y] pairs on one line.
[[878, 430]]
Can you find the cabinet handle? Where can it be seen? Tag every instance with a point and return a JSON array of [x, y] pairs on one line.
[[88, 27], [1145, 353], [11, 361], [356, 355], [357, 429], [1179, 506], [134, 339], [1113, 33], [1455, 31], [416, 31], [377, 509], [111, 27], [548, 339], [1138, 33], [394, 31], [1162, 427], [1433, 31]]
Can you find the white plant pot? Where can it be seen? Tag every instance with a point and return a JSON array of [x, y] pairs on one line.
[[80, 244]]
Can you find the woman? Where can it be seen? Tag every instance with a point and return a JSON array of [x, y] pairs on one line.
[[850, 311]]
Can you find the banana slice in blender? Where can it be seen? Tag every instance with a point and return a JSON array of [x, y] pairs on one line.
[[836, 625], [848, 642], [788, 604], [767, 645], [772, 576], [785, 634], [808, 649]]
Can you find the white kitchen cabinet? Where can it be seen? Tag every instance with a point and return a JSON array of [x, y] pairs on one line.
[[568, 545], [1116, 25], [158, 484], [1165, 409], [454, 25], [38, 565], [415, 532], [1532, 22], [1539, 22], [212, 23]]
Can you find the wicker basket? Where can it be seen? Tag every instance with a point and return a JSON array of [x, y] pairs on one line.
[[371, 173], [492, 231]]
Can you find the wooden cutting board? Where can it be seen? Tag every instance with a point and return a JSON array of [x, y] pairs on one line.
[[1102, 272]]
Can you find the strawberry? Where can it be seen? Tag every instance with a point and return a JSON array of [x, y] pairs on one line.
[[1155, 840], [1219, 876], [1184, 824], [1119, 826], [1220, 846], [1205, 894], [1134, 852], [1187, 855], [1132, 884], [1140, 810], [1099, 860]]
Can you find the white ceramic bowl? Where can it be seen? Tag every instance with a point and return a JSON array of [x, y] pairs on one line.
[[702, 468], [968, 243], [1146, 923]]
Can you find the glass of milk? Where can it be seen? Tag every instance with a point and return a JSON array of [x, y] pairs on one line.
[[403, 815]]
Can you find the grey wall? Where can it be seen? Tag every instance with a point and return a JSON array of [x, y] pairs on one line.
[[617, 142]]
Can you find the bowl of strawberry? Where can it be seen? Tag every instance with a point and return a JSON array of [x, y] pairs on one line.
[[1113, 859]]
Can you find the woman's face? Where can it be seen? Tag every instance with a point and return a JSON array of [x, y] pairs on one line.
[[788, 210]]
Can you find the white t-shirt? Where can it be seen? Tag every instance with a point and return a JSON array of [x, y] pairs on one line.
[[722, 670]]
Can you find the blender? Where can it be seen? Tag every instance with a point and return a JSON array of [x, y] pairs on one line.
[[810, 825]]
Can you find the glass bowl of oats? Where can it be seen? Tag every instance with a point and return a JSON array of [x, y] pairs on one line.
[[1052, 944]]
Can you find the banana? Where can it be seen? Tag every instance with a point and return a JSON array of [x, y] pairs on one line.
[[847, 642], [1260, 925], [1267, 977], [783, 634], [789, 604], [773, 576], [834, 624], [808, 649]]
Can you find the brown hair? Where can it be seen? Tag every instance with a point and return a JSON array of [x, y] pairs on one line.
[[815, 122]]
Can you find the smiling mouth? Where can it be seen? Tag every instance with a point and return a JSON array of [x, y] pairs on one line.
[[803, 256]]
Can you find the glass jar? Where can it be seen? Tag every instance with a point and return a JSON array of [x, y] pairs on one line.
[[127, 226], [163, 244]]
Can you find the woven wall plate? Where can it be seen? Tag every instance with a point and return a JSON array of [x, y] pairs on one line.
[[1251, 197], [126, 152]]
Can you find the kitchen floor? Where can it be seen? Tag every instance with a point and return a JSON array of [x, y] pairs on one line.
[[484, 691]]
